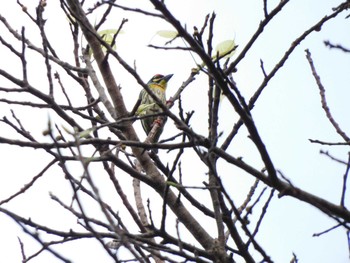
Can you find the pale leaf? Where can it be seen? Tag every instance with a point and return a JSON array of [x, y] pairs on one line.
[[107, 36], [142, 109], [167, 34], [85, 133], [225, 48]]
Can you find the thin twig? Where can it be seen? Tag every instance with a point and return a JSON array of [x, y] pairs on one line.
[[326, 231], [332, 157], [323, 99], [345, 180], [338, 46], [29, 184], [329, 143]]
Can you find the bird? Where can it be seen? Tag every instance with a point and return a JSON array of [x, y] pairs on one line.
[[157, 84]]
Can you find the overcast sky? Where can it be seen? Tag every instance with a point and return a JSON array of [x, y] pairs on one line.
[[287, 115]]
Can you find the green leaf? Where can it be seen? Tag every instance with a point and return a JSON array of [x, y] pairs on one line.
[[85, 133], [167, 34], [107, 36], [142, 109], [225, 49]]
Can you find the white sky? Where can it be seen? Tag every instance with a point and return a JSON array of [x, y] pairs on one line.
[[287, 115]]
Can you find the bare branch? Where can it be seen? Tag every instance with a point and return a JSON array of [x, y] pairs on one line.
[[323, 99], [345, 181]]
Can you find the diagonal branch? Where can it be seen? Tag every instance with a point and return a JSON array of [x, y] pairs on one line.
[[323, 98]]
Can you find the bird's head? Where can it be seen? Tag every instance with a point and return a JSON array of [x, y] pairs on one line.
[[160, 80]]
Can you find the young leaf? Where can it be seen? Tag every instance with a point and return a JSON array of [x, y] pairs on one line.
[[141, 110], [225, 49], [85, 133], [167, 34], [107, 35]]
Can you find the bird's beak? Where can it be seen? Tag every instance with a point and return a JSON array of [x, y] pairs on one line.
[[167, 77]]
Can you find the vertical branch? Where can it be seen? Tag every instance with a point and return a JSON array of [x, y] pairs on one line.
[[23, 58], [139, 203], [265, 8], [348, 238], [24, 257], [213, 100], [323, 98], [232, 227], [41, 22], [345, 179], [264, 210], [100, 89], [142, 211]]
